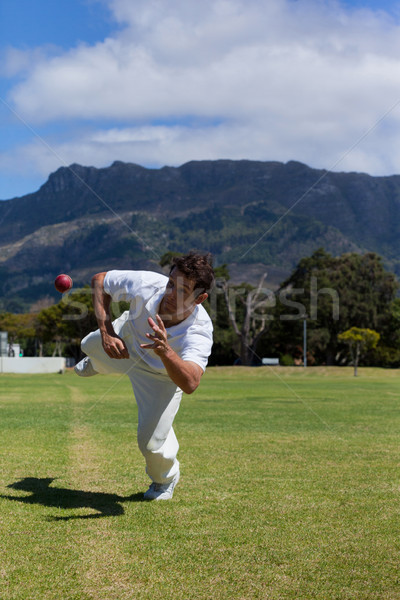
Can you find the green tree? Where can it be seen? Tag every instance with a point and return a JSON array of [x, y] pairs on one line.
[[224, 350], [50, 327], [18, 326], [359, 340], [336, 293], [249, 315], [66, 323], [167, 258], [387, 352]]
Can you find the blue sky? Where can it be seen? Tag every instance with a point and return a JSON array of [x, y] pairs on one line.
[[27, 23], [164, 82]]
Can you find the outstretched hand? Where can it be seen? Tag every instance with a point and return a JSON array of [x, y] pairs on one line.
[[158, 338]]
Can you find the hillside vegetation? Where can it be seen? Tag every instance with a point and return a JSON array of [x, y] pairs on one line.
[[254, 216]]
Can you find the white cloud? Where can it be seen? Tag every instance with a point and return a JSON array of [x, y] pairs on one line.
[[274, 80], [14, 61]]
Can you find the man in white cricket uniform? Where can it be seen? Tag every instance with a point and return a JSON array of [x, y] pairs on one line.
[[162, 343]]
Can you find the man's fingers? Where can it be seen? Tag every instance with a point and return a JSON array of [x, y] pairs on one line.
[[152, 336], [158, 337], [161, 324], [116, 354], [115, 351], [123, 352]]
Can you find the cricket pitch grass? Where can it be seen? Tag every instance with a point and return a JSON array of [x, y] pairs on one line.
[[290, 489]]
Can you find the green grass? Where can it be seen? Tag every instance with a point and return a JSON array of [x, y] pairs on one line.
[[290, 489]]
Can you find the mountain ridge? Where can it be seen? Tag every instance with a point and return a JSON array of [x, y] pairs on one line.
[[253, 215]]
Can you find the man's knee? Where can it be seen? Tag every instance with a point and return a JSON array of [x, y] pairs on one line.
[[151, 444], [90, 342], [147, 444]]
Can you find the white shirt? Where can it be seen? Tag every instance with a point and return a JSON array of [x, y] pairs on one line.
[[191, 339]]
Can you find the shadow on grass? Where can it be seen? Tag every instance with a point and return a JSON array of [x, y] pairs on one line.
[[106, 505]]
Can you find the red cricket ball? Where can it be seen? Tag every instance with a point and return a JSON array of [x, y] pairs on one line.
[[63, 283]]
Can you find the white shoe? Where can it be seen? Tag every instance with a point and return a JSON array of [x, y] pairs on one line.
[[161, 491], [84, 368]]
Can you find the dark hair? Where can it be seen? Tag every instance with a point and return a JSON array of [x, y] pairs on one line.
[[198, 268]]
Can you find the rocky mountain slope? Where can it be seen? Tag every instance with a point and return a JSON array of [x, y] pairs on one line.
[[255, 216]]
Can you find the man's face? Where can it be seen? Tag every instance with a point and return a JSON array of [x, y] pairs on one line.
[[179, 299]]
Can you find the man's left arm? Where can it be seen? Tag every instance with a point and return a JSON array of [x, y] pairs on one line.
[[186, 374]]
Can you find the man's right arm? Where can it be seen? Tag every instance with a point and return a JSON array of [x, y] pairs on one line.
[[113, 345]]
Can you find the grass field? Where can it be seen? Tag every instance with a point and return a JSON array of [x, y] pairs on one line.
[[290, 489]]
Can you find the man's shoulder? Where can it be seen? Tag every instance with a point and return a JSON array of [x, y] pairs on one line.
[[139, 276], [129, 284], [149, 277], [202, 320]]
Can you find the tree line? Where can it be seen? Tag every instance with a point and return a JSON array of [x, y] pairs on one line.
[[335, 299]]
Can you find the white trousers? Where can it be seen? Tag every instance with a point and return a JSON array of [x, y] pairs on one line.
[[158, 399]]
